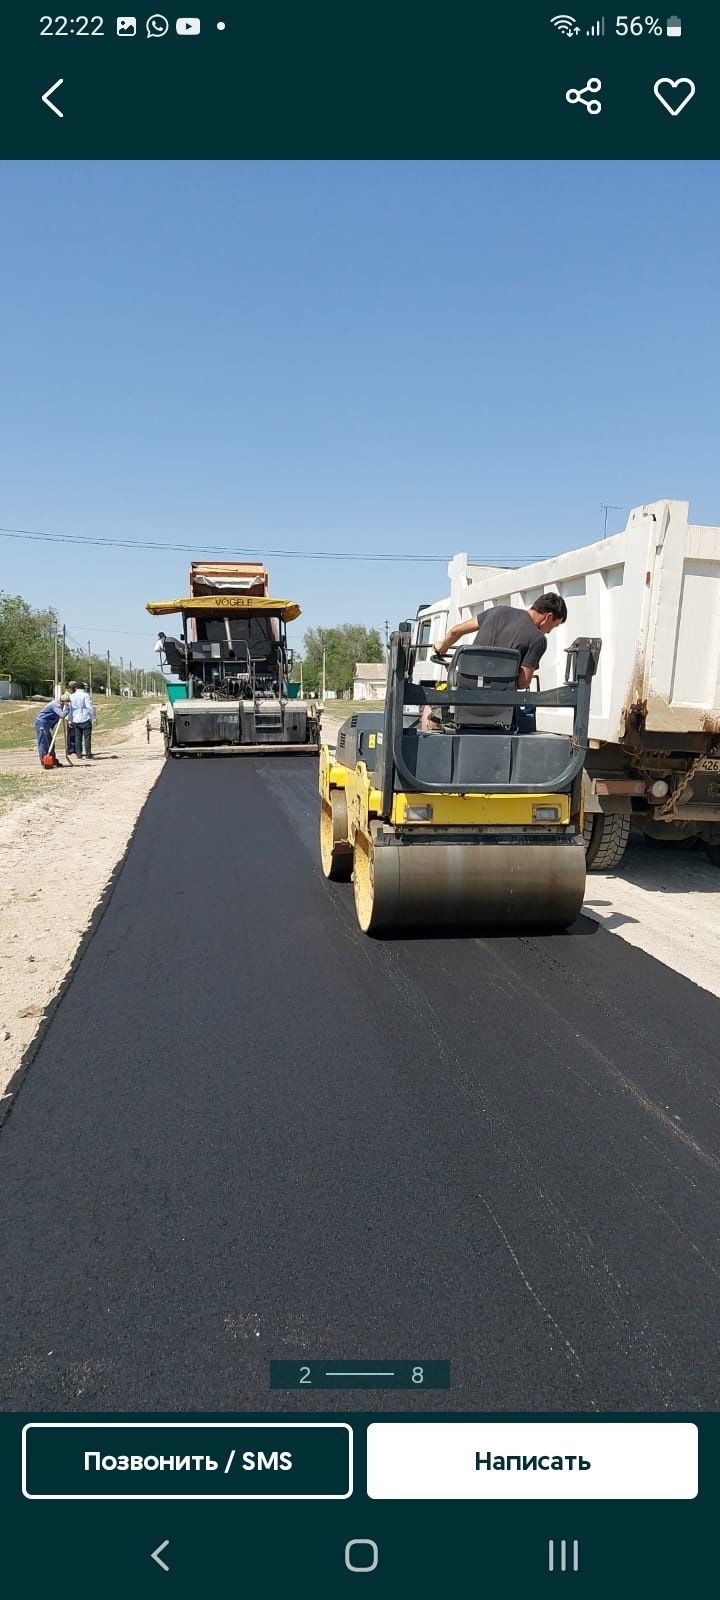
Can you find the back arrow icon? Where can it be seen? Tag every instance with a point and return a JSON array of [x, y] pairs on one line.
[[156, 1555], [46, 97]]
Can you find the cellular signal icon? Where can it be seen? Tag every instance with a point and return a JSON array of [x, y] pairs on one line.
[[566, 25], [597, 30]]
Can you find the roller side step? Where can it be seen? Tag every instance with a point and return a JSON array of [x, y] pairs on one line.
[[244, 750]]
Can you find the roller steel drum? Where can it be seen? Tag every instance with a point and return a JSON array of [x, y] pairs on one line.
[[468, 885], [335, 851]]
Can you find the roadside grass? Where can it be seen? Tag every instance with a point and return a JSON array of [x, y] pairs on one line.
[[18, 716], [340, 710], [14, 790]]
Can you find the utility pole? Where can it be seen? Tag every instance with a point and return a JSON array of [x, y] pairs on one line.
[[301, 682], [605, 508], [62, 657], [55, 679], [122, 675], [89, 669], [131, 682], [323, 676], [387, 636], [109, 688]]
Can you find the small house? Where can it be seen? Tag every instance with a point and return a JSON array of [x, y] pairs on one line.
[[370, 680]]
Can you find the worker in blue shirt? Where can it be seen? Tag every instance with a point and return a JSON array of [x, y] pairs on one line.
[[69, 730], [46, 721], [83, 716]]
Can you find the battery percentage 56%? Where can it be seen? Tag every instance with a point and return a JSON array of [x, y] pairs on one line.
[[638, 25]]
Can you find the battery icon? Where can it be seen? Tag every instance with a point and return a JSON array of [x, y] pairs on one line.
[[674, 27]]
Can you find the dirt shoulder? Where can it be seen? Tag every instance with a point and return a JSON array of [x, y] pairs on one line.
[[329, 724], [62, 833], [665, 901]]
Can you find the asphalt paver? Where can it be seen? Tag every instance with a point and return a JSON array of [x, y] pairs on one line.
[[251, 1133]]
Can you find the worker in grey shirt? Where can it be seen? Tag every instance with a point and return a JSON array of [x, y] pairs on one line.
[[510, 628]]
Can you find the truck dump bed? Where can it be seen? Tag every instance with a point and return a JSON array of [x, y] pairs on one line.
[[652, 594], [210, 579], [228, 577]]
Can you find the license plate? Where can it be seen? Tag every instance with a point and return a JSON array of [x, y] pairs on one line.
[[709, 764]]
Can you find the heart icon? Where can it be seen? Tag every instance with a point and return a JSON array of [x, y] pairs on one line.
[[674, 83]]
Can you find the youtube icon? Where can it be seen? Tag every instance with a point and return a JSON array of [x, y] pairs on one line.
[[187, 25]]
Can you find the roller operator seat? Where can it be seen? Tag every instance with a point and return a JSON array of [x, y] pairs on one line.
[[473, 667]]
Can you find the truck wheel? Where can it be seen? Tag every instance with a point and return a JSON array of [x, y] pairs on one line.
[[605, 840]]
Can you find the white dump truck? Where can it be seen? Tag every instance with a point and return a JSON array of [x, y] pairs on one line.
[[652, 594]]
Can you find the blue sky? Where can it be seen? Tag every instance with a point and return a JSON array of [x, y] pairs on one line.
[[412, 358]]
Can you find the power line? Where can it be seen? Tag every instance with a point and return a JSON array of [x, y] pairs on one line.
[[127, 633], [235, 550], [225, 550]]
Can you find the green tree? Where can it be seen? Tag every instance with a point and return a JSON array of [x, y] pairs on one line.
[[343, 645], [27, 643], [27, 653]]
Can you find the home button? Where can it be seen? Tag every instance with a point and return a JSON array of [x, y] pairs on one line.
[[361, 1555]]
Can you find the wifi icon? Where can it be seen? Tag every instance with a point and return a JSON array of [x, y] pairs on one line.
[[566, 25]]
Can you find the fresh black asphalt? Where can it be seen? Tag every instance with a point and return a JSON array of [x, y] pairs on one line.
[[249, 1132]]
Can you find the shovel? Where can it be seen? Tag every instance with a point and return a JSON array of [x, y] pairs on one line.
[[49, 759]]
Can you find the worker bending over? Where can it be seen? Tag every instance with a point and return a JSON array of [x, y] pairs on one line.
[[506, 628], [45, 722], [509, 628]]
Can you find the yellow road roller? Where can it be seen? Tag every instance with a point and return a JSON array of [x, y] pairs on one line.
[[475, 824]]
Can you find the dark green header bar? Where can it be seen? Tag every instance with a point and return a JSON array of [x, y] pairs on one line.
[[403, 82]]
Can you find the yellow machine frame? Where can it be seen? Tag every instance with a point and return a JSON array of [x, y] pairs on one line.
[[429, 855]]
